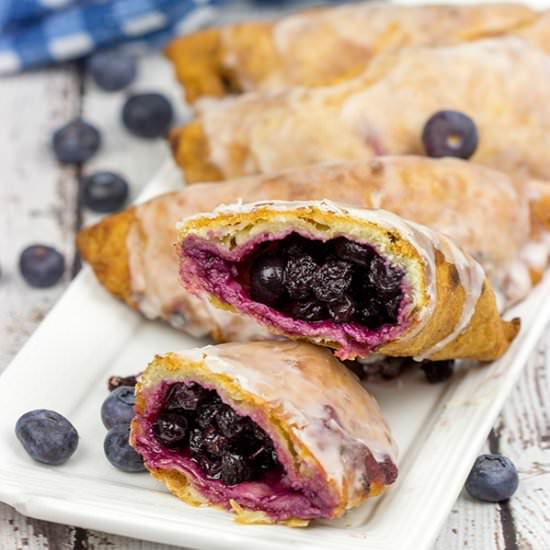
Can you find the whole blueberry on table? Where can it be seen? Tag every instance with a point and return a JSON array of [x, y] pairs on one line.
[[47, 436], [41, 266], [104, 191], [493, 478], [112, 71], [147, 115], [437, 371], [119, 452], [76, 142], [450, 134], [118, 408]]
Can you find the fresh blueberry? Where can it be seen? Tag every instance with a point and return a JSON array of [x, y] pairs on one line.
[[115, 382], [267, 280], [383, 277], [119, 452], [341, 311], [235, 469], [437, 371], [104, 191], [41, 266], [298, 276], [118, 408], [331, 280], [359, 254], [170, 429], [112, 71], [147, 115], [308, 310], [185, 396], [47, 436], [450, 134], [76, 142], [493, 478]]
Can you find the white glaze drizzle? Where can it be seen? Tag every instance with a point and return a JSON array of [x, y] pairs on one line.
[[424, 240], [306, 383]]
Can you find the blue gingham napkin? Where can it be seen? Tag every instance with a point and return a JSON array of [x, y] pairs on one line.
[[41, 32]]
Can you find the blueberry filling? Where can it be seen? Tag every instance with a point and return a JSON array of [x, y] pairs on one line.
[[338, 280], [226, 446]]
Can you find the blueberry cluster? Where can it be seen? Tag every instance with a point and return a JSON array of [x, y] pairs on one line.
[[227, 447], [340, 280]]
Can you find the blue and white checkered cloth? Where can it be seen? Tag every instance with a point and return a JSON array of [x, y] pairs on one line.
[[40, 32]]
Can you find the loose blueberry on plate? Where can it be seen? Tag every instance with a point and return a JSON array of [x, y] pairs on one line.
[[112, 71], [104, 191], [493, 478], [118, 408], [147, 115], [450, 134], [76, 142], [119, 452], [437, 371], [41, 266], [47, 436]]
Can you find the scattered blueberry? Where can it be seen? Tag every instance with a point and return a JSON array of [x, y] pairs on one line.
[[118, 381], [450, 134], [41, 266], [76, 142], [47, 436], [267, 280], [493, 478], [170, 429], [298, 276], [437, 371], [104, 191], [112, 71], [118, 408], [147, 115], [119, 452], [331, 280]]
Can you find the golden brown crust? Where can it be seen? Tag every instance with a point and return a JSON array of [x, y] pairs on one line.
[[323, 47], [103, 246], [485, 337], [190, 148]]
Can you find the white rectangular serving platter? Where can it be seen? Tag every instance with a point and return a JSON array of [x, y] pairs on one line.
[[89, 335]]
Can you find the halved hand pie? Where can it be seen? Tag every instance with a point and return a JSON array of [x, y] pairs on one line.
[[355, 280], [275, 431]]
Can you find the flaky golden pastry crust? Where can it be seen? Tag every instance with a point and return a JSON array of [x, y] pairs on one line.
[[327, 46], [298, 393], [501, 84]]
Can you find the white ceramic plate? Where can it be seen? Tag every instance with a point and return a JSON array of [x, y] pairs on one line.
[[89, 335]]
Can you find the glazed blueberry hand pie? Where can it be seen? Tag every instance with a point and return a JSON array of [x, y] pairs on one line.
[[333, 44], [502, 223], [277, 432], [499, 85], [358, 281]]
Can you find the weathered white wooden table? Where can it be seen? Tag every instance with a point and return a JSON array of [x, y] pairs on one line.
[[38, 203]]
